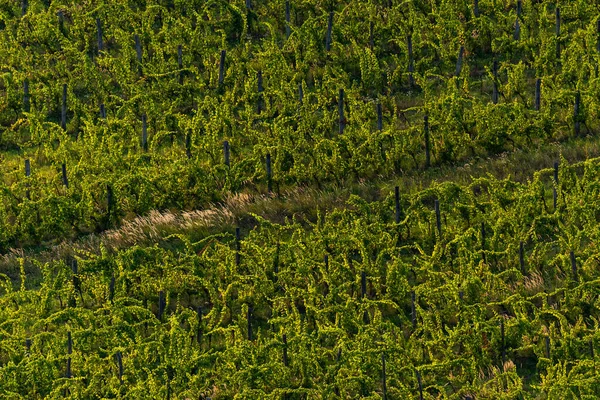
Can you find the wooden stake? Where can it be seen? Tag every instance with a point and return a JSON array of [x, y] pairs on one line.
[[411, 62], [329, 29], [180, 63], [287, 19], [65, 180], [285, 350], [383, 377], [341, 111], [573, 266], [522, 257], [538, 91], [427, 150], [226, 152], [397, 203], [26, 102], [63, 114], [495, 74], [269, 174], [99, 31], [222, 68], [459, 61], [438, 220], [144, 133]]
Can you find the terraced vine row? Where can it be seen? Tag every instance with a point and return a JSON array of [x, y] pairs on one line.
[[134, 96], [484, 290]]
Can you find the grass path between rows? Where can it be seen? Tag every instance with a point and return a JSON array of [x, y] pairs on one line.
[[301, 203]]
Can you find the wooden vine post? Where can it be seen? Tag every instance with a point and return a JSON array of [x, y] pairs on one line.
[[438, 219], [226, 154], [65, 180], [27, 175], [63, 114], [287, 19], [329, 30], [26, 101], [342, 119], [555, 188], [99, 32], [285, 350], [222, 68], [411, 62], [495, 75], [538, 93], [269, 174], [427, 144], [144, 133]]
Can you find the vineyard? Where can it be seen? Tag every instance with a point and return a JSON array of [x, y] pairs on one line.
[[299, 199]]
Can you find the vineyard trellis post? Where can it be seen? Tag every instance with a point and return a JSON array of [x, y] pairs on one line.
[[199, 328], [502, 342], [102, 111], [144, 133], [259, 77], [438, 220], [411, 62], [188, 144], [379, 117], [61, 22], [495, 75], [383, 377], [342, 119], [237, 246], [459, 61], [226, 152], [420, 382], [300, 93], [269, 174], [329, 29], [517, 34], [555, 188], [287, 19], [119, 358], [111, 289], [573, 266], [65, 180], [249, 321], [63, 114], [99, 33], [576, 113], [162, 302], [483, 242], [24, 6], [180, 63], [413, 309], [397, 204], [476, 8], [27, 175], [522, 257], [138, 52], [222, 68], [26, 102], [68, 373], [538, 93], [427, 144], [285, 350], [557, 16]]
